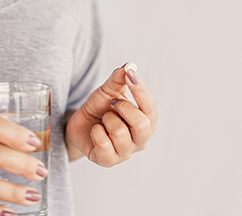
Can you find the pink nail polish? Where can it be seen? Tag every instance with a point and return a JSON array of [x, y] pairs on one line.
[[131, 70], [32, 195], [42, 171], [114, 101], [34, 141], [133, 77]]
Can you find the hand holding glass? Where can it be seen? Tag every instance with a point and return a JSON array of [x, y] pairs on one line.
[[24, 146]]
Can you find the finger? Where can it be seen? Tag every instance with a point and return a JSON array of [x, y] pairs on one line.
[[119, 134], [139, 123], [5, 211], [18, 194], [100, 99], [22, 164], [103, 152], [17, 137], [141, 95]]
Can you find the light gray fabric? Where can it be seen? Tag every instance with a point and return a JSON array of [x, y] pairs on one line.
[[56, 42]]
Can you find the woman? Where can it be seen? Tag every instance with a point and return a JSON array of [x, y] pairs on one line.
[[58, 43]]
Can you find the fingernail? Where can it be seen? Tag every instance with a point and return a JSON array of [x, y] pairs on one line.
[[7, 213], [34, 140], [32, 195], [131, 70], [114, 101], [131, 66], [133, 77], [42, 171]]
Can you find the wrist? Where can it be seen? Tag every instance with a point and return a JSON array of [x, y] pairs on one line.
[[74, 151]]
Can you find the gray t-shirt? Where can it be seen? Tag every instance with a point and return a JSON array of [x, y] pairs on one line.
[[56, 42]]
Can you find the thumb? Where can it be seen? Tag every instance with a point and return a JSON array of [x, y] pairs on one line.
[[100, 100]]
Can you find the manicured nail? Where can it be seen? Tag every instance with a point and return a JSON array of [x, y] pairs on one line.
[[114, 101], [42, 171], [32, 195], [131, 70], [133, 77], [7, 213], [34, 140]]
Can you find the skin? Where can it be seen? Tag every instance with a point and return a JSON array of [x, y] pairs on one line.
[[110, 134], [14, 158], [108, 129]]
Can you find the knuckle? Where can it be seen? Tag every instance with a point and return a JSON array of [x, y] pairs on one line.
[[95, 128], [25, 168], [127, 151], [107, 91], [15, 194], [107, 116], [28, 168], [118, 132], [103, 143], [143, 125], [108, 162], [150, 110], [18, 138]]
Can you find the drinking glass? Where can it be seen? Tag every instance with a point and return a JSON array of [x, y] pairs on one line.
[[29, 105]]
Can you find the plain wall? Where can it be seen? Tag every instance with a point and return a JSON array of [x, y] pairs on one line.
[[190, 55]]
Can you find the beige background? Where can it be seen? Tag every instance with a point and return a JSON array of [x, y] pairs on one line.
[[190, 55]]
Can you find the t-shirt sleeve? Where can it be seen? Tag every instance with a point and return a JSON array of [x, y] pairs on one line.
[[86, 63]]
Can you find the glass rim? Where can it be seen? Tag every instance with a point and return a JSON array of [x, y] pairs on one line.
[[43, 86]]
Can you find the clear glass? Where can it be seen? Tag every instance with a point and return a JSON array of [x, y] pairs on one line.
[[28, 104]]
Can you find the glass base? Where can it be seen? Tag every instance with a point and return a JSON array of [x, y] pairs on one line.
[[44, 212]]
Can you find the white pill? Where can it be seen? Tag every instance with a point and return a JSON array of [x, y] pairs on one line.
[[130, 66]]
